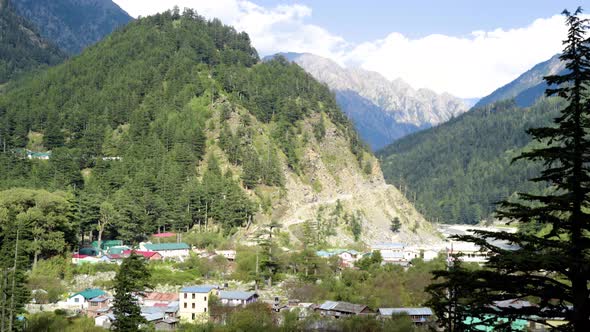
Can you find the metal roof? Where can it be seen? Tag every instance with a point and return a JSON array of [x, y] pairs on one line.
[[90, 293], [236, 295], [409, 311], [343, 307], [166, 246], [198, 289]]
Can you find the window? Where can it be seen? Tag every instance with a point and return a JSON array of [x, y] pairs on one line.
[[205, 298], [185, 305], [185, 295], [205, 309], [76, 300], [193, 316], [93, 304], [193, 296], [193, 305]]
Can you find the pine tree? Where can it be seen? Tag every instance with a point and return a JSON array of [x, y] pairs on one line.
[[131, 280], [550, 270]]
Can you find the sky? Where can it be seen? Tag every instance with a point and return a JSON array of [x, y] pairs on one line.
[[464, 47]]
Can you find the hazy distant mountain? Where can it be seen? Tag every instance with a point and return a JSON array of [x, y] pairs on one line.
[[21, 47], [528, 87], [73, 24], [460, 168], [382, 110]]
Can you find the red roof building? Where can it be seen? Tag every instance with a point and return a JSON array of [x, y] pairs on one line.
[[149, 255], [160, 235]]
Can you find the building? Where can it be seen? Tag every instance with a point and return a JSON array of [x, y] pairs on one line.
[[237, 298], [98, 306], [388, 247], [81, 299], [347, 256], [157, 298], [418, 315], [397, 258], [469, 252], [194, 302], [168, 250], [148, 255], [342, 309], [38, 155]]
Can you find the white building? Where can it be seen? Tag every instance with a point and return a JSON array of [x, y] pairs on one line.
[[178, 251], [237, 298]]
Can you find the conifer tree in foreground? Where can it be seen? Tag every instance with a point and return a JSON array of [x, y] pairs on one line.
[[132, 279], [551, 270]]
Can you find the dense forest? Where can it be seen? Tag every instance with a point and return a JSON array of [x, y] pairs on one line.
[[22, 49], [458, 170], [132, 121]]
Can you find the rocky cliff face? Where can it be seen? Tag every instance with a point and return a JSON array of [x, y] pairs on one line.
[[73, 24], [382, 110], [332, 188]]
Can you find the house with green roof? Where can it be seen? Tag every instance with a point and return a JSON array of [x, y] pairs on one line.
[[82, 298], [177, 251]]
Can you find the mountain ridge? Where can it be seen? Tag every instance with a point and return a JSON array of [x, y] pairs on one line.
[[402, 108]]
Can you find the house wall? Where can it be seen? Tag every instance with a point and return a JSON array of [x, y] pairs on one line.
[[180, 253], [77, 300], [194, 307]]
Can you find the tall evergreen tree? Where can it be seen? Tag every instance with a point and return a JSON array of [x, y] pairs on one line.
[[551, 270], [131, 280]]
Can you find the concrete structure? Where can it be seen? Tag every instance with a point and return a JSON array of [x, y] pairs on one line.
[[98, 306], [237, 298], [177, 251], [194, 302], [468, 252]]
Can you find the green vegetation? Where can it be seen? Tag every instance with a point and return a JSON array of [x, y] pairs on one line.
[[132, 127], [458, 170], [21, 47], [132, 279], [550, 271]]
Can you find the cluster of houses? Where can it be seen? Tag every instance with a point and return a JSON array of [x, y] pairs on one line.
[[391, 253], [114, 251], [192, 304]]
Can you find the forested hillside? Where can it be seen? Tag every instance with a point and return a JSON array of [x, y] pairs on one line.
[[21, 47], [172, 123], [457, 170], [73, 24]]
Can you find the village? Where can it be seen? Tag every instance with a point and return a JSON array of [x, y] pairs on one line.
[[195, 302]]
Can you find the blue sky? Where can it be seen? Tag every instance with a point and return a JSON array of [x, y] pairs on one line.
[[464, 47], [359, 21]]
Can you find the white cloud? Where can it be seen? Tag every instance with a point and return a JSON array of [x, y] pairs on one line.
[[467, 66]]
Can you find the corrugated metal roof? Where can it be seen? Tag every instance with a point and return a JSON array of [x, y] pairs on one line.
[[236, 295], [90, 293], [166, 246], [343, 307], [198, 289], [409, 311]]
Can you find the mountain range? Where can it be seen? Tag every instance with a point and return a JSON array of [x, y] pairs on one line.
[[382, 110], [175, 122], [458, 170]]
